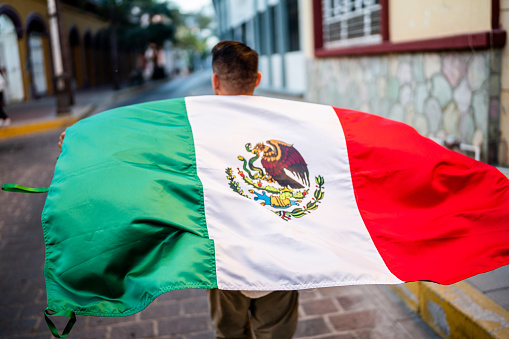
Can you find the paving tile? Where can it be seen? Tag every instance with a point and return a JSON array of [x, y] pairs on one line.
[[339, 291], [311, 327], [356, 302], [17, 326], [196, 306], [492, 280], [132, 330], [13, 297], [89, 333], [182, 294], [181, 325], [203, 335], [341, 336], [501, 296], [320, 306], [416, 328], [381, 332], [388, 303], [353, 320], [9, 312], [36, 336], [161, 310], [105, 321], [308, 294], [33, 310]]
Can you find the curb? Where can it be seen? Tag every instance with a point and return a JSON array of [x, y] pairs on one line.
[[38, 126], [78, 113], [58, 122], [455, 311]]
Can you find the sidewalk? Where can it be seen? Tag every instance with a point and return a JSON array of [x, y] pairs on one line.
[[475, 308], [40, 115]]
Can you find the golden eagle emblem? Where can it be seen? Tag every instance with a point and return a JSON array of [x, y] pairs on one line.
[[277, 176], [279, 156]]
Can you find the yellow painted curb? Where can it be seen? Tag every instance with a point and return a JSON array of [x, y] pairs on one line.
[[15, 130], [456, 311]]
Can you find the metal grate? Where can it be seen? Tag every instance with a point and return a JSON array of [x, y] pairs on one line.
[[351, 22]]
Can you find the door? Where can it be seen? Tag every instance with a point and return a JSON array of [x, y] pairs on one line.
[[9, 59], [37, 62]]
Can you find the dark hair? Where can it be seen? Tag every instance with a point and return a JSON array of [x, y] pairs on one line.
[[236, 65]]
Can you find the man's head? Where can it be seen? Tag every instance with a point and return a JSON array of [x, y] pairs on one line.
[[235, 68]]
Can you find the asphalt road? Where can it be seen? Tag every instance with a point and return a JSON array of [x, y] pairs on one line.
[[198, 83]]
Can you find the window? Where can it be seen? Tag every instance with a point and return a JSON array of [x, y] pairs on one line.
[[350, 22], [262, 31], [273, 30], [243, 36], [292, 11]]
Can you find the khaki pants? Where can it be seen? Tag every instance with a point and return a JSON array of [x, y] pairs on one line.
[[273, 316]]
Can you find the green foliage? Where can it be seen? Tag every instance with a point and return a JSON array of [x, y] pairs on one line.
[[234, 185], [313, 204], [125, 17]]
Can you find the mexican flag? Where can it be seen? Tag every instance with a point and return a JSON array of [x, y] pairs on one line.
[[255, 193]]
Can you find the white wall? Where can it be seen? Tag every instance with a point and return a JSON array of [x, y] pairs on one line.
[[277, 71], [295, 71], [240, 11], [423, 19], [263, 67]]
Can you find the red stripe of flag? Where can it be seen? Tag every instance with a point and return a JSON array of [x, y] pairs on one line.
[[432, 213]]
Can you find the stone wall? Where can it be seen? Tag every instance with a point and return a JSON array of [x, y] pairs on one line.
[[440, 94]]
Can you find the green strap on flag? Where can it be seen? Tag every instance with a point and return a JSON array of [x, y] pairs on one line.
[[23, 189], [53, 328]]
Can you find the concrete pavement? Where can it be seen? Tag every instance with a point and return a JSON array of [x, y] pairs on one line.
[[476, 308]]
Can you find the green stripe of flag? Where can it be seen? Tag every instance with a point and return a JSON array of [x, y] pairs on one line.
[[126, 224]]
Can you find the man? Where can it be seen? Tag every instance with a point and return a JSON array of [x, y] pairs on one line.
[[235, 314]]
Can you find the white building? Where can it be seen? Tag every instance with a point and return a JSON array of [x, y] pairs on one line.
[[279, 31]]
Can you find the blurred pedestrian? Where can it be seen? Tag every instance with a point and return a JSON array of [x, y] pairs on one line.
[[4, 118]]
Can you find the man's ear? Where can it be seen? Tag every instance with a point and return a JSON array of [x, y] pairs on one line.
[[258, 79], [215, 83]]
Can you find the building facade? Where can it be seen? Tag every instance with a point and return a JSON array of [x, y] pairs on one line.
[[274, 29], [432, 64], [25, 51], [435, 65]]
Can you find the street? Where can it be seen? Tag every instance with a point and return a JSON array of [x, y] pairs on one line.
[[197, 83], [339, 312]]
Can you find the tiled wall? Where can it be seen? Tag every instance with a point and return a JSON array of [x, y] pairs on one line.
[[440, 94]]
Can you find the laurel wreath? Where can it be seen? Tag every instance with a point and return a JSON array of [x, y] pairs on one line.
[[285, 215], [310, 206], [234, 185]]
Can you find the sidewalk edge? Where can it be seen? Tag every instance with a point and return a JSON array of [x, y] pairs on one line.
[[37, 126], [68, 120], [455, 311]]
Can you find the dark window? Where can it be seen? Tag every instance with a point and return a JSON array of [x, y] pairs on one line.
[[292, 10], [273, 30], [243, 33], [262, 29]]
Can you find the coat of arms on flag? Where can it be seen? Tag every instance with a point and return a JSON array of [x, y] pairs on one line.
[[277, 176]]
